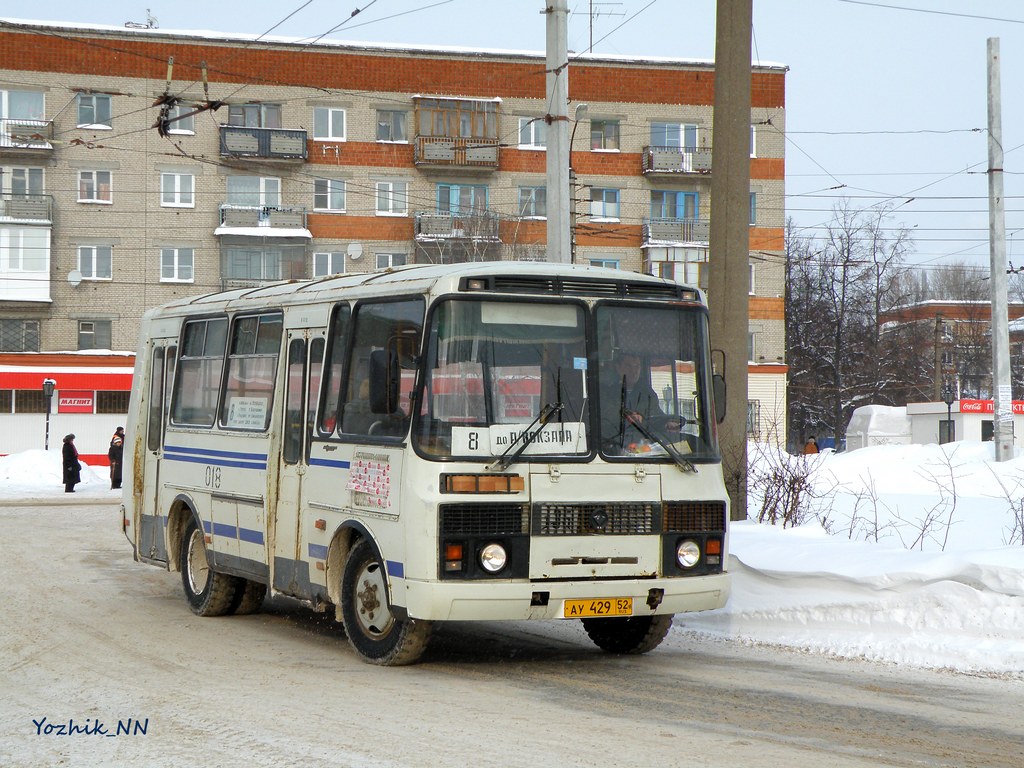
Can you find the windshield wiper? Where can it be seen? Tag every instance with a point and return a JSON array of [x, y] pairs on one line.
[[526, 437], [681, 461]]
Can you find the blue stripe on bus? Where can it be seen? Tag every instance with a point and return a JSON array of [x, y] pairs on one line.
[[225, 530], [213, 452], [395, 569], [336, 463], [318, 551], [250, 535], [228, 531], [216, 462]]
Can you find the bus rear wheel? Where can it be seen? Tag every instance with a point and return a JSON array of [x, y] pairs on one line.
[[629, 634], [208, 592], [248, 597], [374, 631]]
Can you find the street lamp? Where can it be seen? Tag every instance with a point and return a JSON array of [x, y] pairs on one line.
[[48, 387], [948, 396]]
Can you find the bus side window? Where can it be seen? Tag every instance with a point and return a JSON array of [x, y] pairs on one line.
[[332, 377], [294, 416], [316, 363], [154, 423]]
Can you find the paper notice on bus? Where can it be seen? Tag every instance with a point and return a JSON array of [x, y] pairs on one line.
[[247, 412], [552, 438]]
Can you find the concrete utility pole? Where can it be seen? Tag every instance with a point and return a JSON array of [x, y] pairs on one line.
[[730, 237], [559, 249], [1002, 422]]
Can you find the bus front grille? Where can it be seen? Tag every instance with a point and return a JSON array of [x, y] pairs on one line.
[[595, 518], [484, 519], [694, 516]]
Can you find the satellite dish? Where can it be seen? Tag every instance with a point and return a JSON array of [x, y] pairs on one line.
[[355, 250], [74, 277]]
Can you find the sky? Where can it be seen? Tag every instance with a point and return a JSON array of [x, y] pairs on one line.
[[886, 101], [856, 580]]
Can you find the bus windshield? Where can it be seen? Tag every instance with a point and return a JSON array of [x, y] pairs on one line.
[[499, 374]]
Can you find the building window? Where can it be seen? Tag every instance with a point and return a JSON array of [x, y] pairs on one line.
[[94, 110], [680, 135], [604, 134], [255, 115], [667, 204], [177, 265], [254, 264], [391, 125], [753, 208], [328, 124], [176, 190], [181, 119], [392, 198], [95, 262], [754, 418], [684, 265], [94, 334], [19, 335], [751, 347], [95, 187], [606, 263], [461, 198], [604, 204], [385, 260], [30, 401], [112, 401], [21, 181], [750, 288], [753, 141], [532, 132], [22, 105], [254, 191], [533, 201], [329, 195], [328, 264]]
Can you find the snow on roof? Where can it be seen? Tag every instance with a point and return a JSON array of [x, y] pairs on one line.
[[356, 45]]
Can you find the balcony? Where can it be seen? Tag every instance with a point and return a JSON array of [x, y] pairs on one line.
[[262, 221], [266, 144], [676, 231], [32, 209], [23, 137], [456, 152], [478, 226], [676, 160]]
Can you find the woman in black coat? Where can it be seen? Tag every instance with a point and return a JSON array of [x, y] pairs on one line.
[[72, 467]]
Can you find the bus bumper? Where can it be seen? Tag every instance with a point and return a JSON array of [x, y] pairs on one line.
[[494, 601]]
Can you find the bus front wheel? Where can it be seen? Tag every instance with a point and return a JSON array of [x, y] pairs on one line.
[[208, 593], [375, 633], [630, 634]]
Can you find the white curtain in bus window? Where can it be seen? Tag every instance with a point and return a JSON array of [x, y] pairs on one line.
[[252, 365], [197, 383]]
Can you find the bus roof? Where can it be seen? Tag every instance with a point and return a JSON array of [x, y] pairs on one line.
[[524, 278]]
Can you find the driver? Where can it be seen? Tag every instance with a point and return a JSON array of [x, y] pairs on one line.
[[630, 398]]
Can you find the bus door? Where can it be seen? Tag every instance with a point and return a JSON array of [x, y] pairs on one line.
[[152, 544], [302, 387]]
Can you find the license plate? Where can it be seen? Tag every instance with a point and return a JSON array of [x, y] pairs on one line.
[[608, 606]]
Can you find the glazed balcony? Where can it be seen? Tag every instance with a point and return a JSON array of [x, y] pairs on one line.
[[676, 231], [20, 137], [456, 152], [676, 160], [33, 209], [263, 144], [478, 226]]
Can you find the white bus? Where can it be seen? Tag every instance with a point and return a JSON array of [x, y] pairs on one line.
[[434, 443]]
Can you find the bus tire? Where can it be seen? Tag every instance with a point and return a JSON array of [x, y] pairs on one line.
[[629, 634], [248, 597], [208, 592], [375, 633]]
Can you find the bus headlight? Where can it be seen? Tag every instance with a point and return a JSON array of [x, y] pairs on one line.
[[687, 553], [493, 558]]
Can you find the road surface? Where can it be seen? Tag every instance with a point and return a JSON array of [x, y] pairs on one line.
[[91, 641]]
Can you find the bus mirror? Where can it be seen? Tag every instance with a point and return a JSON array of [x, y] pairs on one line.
[[718, 388], [383, 381]]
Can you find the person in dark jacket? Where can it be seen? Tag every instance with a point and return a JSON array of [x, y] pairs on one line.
[[115, 453], [72, 468]]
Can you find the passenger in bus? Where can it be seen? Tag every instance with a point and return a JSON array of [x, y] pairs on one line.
[[72, 469], [115, 454]]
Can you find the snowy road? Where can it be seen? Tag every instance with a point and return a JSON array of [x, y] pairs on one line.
[[90, 636]]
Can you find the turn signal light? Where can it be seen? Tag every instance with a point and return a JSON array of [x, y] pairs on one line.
[[452, 557], [713, 546], [472, 483]]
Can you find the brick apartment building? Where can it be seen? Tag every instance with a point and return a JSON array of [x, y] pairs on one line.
[[138, 165]]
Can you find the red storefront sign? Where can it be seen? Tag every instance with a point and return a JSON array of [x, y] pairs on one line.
[[75, 401], [987, 406]]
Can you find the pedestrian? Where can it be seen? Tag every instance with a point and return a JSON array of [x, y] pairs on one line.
[[72, 473], [811, 446], [115, 453]]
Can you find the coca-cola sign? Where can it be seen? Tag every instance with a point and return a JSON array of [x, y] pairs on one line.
[[987, 406]]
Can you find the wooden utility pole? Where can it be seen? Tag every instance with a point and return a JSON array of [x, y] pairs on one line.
[[559, 249], [730, 237]]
